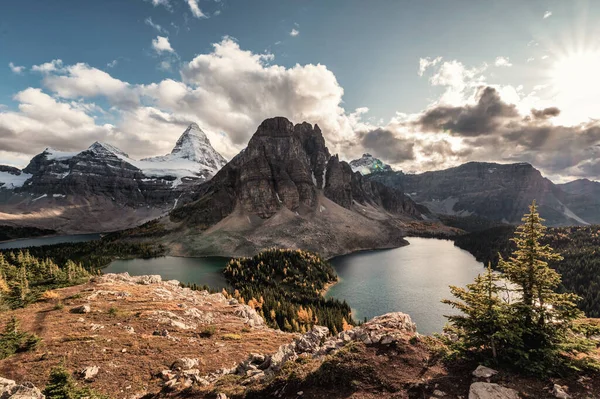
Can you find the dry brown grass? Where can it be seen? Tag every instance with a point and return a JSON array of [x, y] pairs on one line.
[[128, 362]]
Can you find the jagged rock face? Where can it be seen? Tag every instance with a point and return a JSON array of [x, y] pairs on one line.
[[104, 170], [344, 186], [493, 191], [369, 164], [276, 169], [284, 166], [96, 171]]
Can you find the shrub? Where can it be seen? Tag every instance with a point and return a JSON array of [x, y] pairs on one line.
[[50, 295], [62, 386], [208, 331], [231, 337], [14, 341]]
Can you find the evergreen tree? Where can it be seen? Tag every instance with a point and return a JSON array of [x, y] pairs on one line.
[[534, 331], [481, 325], [542, 317], [12, 340], [60, 385]]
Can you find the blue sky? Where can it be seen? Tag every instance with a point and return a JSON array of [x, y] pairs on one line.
[[370, 49]]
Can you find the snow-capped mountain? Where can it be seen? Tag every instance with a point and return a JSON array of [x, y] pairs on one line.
[[193, 155], [369, 164], [103, 177]]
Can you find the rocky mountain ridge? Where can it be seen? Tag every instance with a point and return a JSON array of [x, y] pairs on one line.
[[105, 181], [498, 192], [583, 197], [368, 164], [286, 190]]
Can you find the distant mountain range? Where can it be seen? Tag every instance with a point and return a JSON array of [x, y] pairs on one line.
[[284, 189], [101, 188], [498, 192]]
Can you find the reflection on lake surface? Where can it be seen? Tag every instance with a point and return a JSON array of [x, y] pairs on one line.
[[201, 271], [38, 242], [412, 279]]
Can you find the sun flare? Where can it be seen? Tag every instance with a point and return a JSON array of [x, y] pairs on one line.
[[576, 76]]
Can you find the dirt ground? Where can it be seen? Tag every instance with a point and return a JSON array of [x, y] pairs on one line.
[[130, 361]]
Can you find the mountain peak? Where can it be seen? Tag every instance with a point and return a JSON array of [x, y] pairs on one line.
[[369, 164], [193, 145], [104, 148]]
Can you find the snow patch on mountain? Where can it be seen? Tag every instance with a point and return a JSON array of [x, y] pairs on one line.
[[193, 156], [10, 180], [368, 164]]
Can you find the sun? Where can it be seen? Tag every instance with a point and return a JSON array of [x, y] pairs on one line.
[[576, 76]]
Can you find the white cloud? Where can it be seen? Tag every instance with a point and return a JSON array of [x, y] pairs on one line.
[[427, 62], [148, 21], [502, 62], [195, 9], [15, 68], [530, 59], [165, 65], [43, 121], [228, 91], [295, 32], [458, 81], [82, 81], [161, 44], [547, 14], [112, 64], [164, 3], [52, 66]]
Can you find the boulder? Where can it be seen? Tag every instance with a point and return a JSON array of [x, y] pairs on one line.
[[81, 309], [486, 390], [147, 280], [89, 372], [184, 363], [312, 340], [559, 392], [250, 316], [10, 390], [484, 372]]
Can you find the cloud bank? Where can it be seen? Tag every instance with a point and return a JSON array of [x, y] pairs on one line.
[[228, 91]]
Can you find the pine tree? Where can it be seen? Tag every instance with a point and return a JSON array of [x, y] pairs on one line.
[[542, 317], [60, 385], [12, 340], [481, 325]]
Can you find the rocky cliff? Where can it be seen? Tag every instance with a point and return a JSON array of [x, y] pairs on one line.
[[104, 181], [499, 192], [285, 189]]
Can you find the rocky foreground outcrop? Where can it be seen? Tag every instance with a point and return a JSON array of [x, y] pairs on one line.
[[130, 336]]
